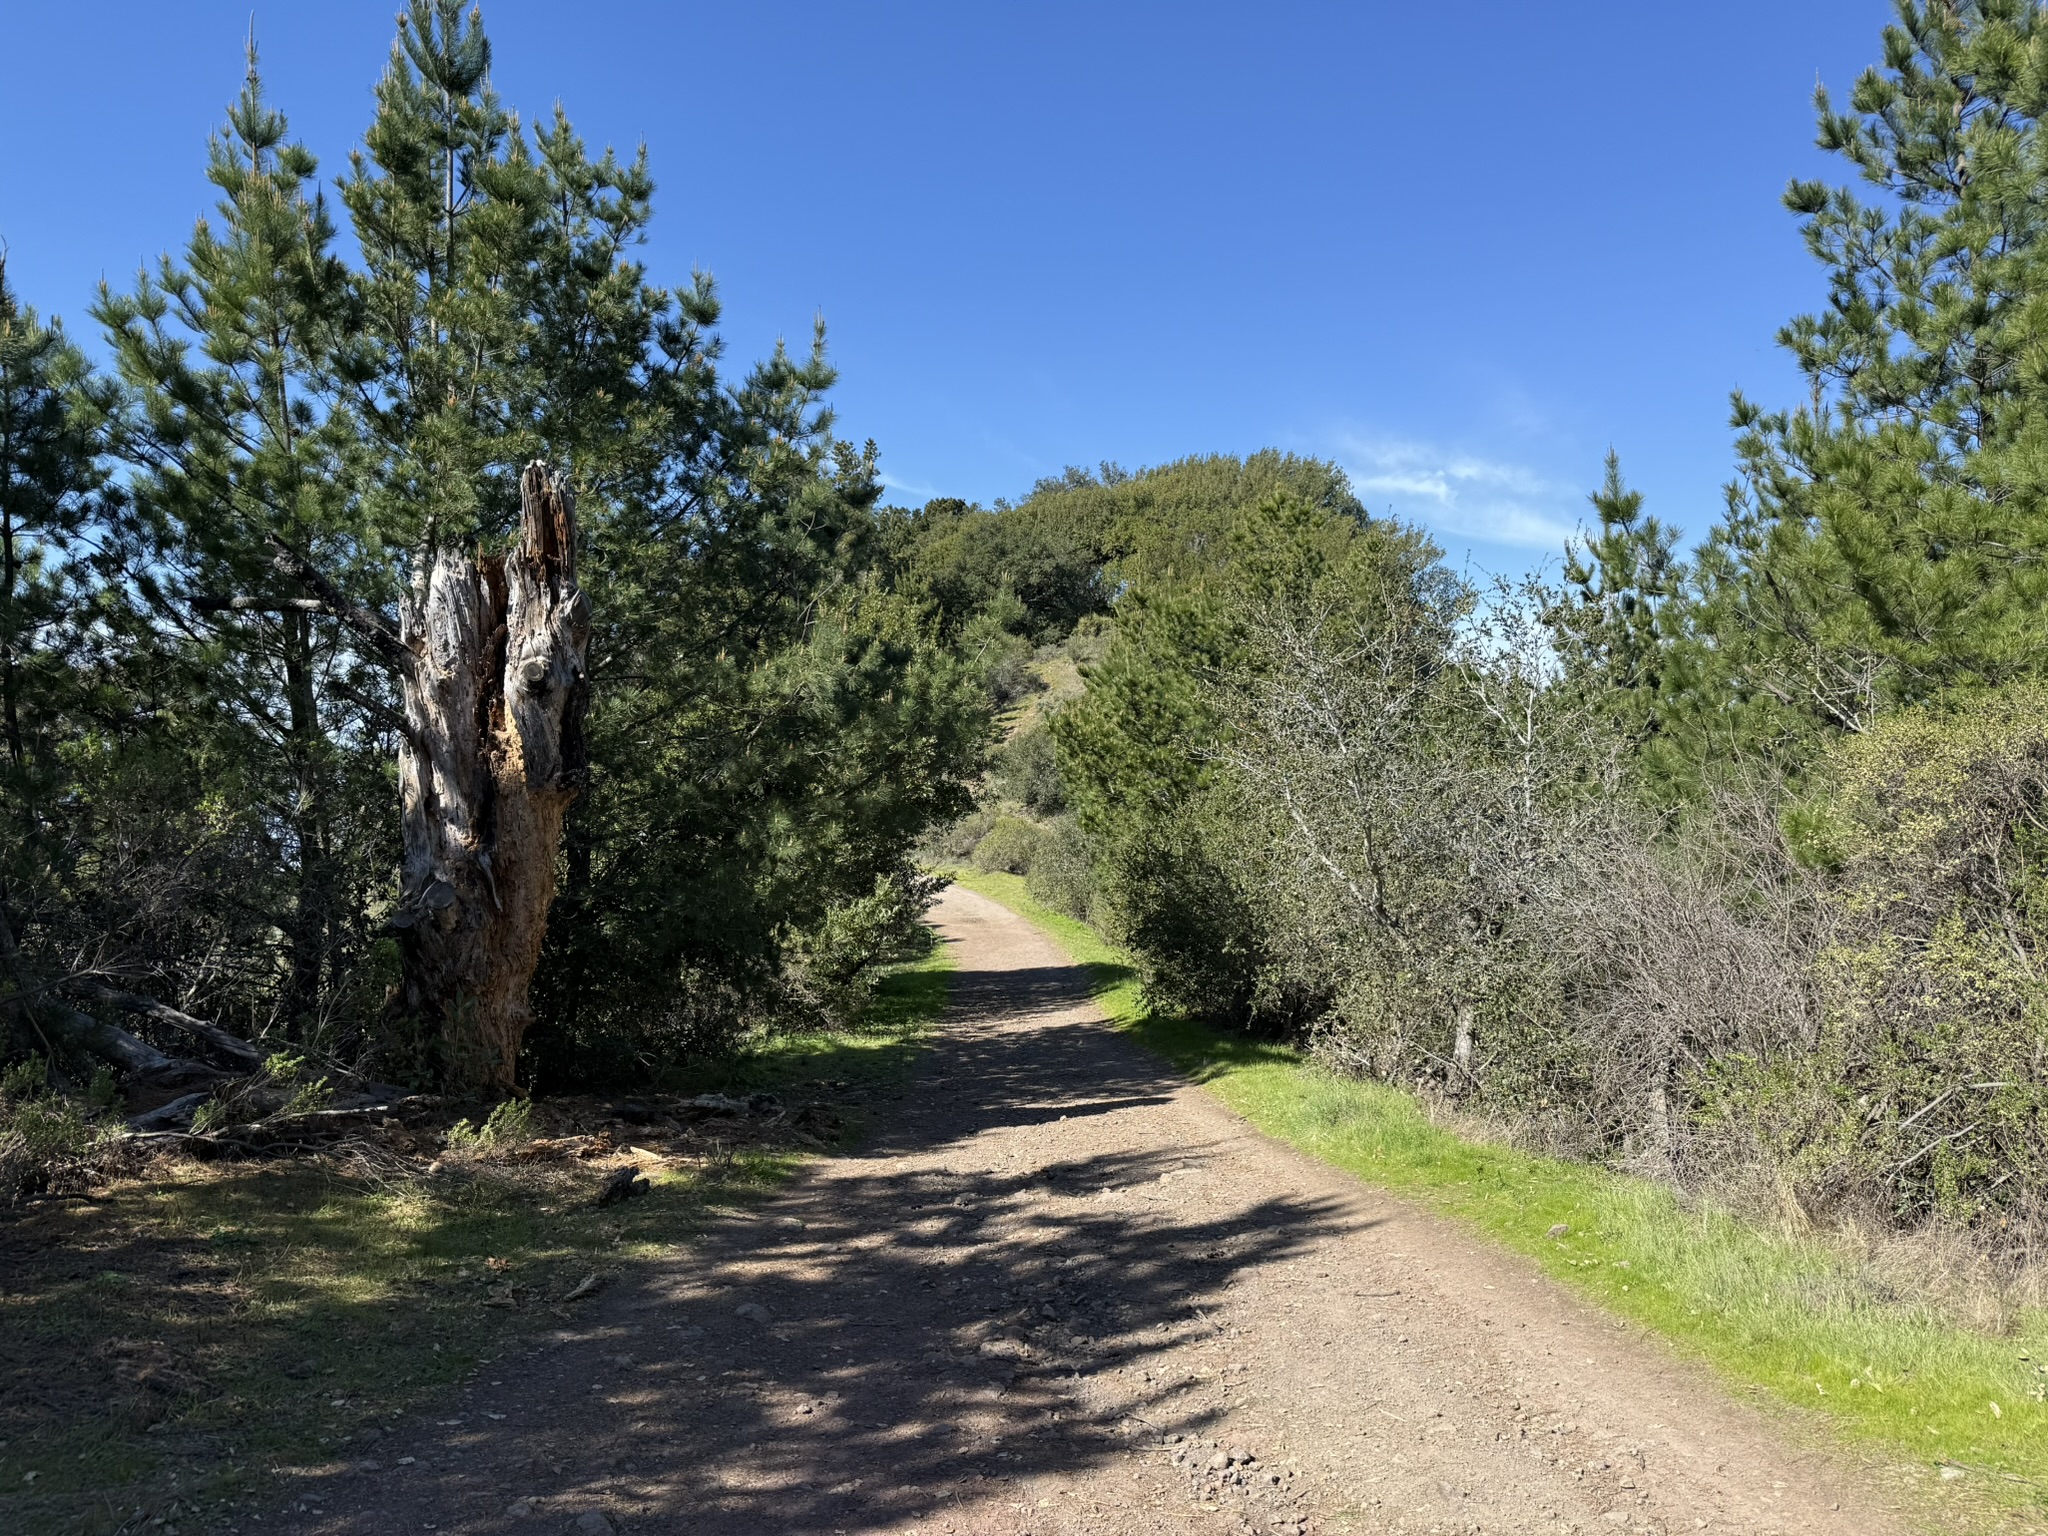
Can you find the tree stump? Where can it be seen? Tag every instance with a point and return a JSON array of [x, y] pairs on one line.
[[492, 756]]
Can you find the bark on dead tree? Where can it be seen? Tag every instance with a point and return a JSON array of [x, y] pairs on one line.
[[493, 753]]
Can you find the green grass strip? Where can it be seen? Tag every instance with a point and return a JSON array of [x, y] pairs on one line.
[[1796, 1317]]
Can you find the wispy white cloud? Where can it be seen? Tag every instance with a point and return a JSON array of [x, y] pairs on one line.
[[1460, 493], [908, 488]]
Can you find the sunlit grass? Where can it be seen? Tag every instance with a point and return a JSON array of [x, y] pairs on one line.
[[1797, 1318]]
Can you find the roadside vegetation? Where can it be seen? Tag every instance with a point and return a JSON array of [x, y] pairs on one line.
[[1887, 1344], [1721, 867]]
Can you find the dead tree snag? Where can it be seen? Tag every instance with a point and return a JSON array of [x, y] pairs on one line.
[[492, 754]]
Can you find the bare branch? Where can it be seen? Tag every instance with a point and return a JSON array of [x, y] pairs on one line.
[[382, 639], [162, 1013]]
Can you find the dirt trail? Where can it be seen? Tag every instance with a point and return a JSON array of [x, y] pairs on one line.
[[1055, 1259]]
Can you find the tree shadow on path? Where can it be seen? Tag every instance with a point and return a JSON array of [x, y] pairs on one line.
[[919, 1323]]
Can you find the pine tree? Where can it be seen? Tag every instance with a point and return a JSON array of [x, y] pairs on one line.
[[51, 480], [250, 459], [1884, 541], [438, 505], [1607, 627]]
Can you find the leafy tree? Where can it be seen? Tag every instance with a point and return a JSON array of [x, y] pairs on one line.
[[1158, 757], [1171, 524], [963, 560]]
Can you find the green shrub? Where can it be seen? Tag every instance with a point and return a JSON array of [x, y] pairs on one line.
[[507, 1125], [1926, 1091], [1028, 771], [308, 1097], [834, 965], [43, 1135], [1063, 871], [26, 1079], [957, 842], [1009, 846]]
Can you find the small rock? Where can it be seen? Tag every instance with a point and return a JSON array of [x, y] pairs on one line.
[[1241, 1456], [519, 1509], [753, 1312], [1219, 1461], [593, 1522], [1560, 1230]]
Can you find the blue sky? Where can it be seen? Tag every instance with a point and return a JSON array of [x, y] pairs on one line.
[[1460, 249]]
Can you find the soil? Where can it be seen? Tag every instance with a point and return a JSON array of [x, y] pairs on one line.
[[1061, 1290]]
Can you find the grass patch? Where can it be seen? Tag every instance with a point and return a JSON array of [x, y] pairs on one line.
[[215, 1321], [1797, 1319]]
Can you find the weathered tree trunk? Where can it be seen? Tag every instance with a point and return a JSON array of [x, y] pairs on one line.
[[493, 755]]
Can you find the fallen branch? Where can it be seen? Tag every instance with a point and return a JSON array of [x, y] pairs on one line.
[[162, 1013], [172, 1117], [115, 1046]]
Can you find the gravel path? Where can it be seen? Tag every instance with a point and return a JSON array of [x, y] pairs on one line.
[[1062, 1291]]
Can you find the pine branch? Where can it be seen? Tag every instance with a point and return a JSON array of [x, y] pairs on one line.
[[381, 638]]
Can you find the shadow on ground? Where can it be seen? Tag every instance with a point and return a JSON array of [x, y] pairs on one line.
[[932, 1311]]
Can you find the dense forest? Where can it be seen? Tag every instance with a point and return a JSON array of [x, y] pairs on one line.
[[432, 665]]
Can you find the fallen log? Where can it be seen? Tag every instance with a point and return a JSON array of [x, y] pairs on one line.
[[110, 1043], [174, 1116], [232, 1046]]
